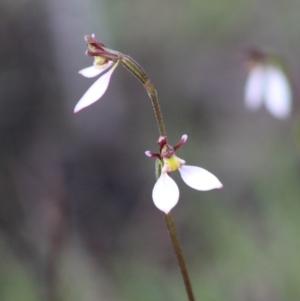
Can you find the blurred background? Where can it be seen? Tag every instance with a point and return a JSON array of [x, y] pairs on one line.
[[77, 221]]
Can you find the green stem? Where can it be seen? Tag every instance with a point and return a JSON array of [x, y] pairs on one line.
[[138, 71], [179, 256], [155, 104]]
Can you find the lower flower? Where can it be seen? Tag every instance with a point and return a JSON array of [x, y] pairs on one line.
[[165, 193]]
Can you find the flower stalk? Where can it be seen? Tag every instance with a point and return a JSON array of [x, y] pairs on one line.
[[165, 193], [155, 104], [138, 71]]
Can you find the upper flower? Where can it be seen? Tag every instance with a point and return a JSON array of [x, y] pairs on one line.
[[268, 84], [165, 193], [104, 59]]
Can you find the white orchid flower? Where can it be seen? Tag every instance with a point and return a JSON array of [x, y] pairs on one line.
[[96, 91], [105, 62], [267, 84], [165, 193]]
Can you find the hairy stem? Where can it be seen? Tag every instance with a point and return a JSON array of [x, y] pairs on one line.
[[138, 71], [155, 104], [179, 256]]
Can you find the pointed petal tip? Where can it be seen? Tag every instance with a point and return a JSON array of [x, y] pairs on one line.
[[184, 137], [151, 154], [148, 153], [181, 141], [219, 186], [76, 110]]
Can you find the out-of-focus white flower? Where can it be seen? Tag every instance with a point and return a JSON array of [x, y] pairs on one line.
[[96, 91], [165, 193], [267, 84]]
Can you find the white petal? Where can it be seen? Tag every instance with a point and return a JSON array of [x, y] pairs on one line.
[[148, 153], [278, 98], [184, 138], [199, 178], [165, 193], [254, 88], [89, 72], [96, 91], [93, 71]]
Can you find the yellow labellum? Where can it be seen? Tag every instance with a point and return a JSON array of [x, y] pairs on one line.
[[100, 61], [172, 163]]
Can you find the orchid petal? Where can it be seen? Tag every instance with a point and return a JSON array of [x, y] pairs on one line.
[[149, 154], [165, 193], [199, 178], [181, 142], [93, 71], [184, 138], [254, 88], [96, 91], [278, 98]]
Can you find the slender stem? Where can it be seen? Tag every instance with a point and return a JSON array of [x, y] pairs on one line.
[[179, 256], [134, 67], [155, 104], [138, 71]]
